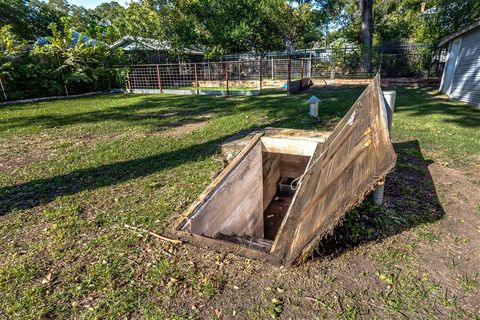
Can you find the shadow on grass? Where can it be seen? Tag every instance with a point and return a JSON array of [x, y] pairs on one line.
[[421, 102], [41, 191], [410, 200], [162, 112]]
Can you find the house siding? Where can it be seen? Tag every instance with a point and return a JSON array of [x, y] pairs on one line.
[[466, 78]]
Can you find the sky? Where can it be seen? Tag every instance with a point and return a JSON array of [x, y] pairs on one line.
[[90, 4]]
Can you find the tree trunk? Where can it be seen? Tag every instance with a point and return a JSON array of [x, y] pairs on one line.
[[366, 33]]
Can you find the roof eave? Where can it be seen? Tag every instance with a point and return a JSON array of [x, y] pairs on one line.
[[457, 34]]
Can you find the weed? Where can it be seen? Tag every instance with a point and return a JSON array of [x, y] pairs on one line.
[[427, 235], [276, 308], [468, 283]]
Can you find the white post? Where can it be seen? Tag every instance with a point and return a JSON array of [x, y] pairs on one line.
[[313, 101], [390, 104], [272, 68], [314, 110]]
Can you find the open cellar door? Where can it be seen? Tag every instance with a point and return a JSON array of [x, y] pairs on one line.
[[251, 208]]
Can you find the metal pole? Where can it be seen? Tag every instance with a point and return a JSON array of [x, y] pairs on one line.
[[226, 75], [390, 104], [3, 89], [289, 76], [301, 74], [261, 75], [332, 70], [272, 69], [159, 78], [196, 78]]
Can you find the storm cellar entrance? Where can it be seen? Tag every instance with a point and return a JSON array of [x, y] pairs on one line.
[[251, 210], [253, 194], [279, 174]]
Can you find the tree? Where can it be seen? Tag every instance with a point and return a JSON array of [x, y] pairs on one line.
[[29, 19], [366, 12], [107, 12], [443, 17], [77, 64]]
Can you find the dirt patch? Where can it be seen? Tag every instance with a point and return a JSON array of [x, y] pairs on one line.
[[24, 150], [415, 257], [19, 152], [186, 128]]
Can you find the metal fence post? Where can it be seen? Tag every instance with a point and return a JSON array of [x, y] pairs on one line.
[[332, 70], [301, 73], [289, 76], [261, 75], [272, 70], [3, 89], [196, 78], [226, 76], [159, 78]]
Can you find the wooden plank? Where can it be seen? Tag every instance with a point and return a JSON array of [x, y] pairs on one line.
[[196, 77], [279, 140], [304, 135], [263, 245], [293, 146], [293, 166], [220, 245], [356, 156], [159, 78], [209, 191], [271, 176], [235, 205]]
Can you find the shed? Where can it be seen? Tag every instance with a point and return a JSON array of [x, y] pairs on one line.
[[461, 75]]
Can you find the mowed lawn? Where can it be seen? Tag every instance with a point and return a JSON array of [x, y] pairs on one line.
[[74, 172]]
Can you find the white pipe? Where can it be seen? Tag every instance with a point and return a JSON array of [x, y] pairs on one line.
[[390, 104]]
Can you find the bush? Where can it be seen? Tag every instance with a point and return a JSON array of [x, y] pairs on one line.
[[61, 66]]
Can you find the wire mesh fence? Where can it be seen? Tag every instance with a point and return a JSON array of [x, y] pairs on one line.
[[292, 74], [227, 77], [344, 62]]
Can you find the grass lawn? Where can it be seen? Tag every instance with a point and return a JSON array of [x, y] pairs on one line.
[[74, 172]]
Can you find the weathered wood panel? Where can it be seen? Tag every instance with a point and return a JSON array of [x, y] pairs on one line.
[[293, 146], [233, 203], [293, 166], [299, 85], [355, 157], [271, 176]]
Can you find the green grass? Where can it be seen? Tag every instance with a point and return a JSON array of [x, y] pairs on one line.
[[73, 172], [446, 130]]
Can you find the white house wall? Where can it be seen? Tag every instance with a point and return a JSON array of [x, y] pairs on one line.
[[465, 83]]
